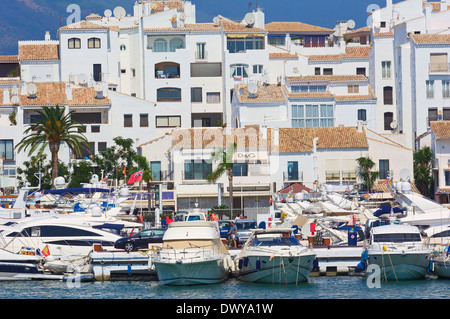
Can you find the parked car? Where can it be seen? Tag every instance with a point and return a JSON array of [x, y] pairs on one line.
[[140, 240], [224, 227], [244, 229]]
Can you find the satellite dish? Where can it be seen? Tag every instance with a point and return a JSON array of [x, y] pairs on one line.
[[265, 79], [393, 125], [108, 13], [182, 17], [31, 89], [119, 12], [249, 19], [82, 79], [351, 24], [405, 174], [98, 86], [15, 91], [216, 20], [15, 100], [252, 88]]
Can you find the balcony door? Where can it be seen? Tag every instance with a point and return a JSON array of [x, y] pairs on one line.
[[292, 171]]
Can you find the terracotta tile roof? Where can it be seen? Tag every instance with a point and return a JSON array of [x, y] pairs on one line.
[[245, 138], [83, 25], [299, 140], [266, 94], [93, 16], [171, 4], [327, 78], [295, 27], [357, 97], [54, 93], [48, 93], [9, 58], [228, 25], [441, 129], [365, 29], [358, 52], [87, 96], [384, 34], [436, 5], [38, 52], [280, 55], [431, 38]]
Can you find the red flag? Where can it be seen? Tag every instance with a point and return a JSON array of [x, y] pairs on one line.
[[136, 177], [46, 251]]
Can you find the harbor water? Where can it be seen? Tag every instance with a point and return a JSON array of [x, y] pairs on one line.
[[323, 287]]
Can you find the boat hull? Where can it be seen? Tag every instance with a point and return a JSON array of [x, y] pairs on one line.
[[400, 266], [273, 269], [189, 272], [442, 267]]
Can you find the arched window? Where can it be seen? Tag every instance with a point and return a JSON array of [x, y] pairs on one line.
[[160, 45], [176, 43], [387, 95], [74, 43], [123, 47], [94, 43]]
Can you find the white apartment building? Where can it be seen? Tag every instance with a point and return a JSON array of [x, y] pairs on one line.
[[440, 145]]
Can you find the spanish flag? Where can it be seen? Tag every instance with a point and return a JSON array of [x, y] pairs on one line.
[[124, 170], [316, 182], [46, 251], [390, 181], [366, 195]]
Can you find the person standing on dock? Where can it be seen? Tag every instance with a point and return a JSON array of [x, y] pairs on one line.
[[37, 198], [232, 233]]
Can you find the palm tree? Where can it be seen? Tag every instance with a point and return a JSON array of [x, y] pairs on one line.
[[51, 129], [369, 177], [225, 160], [423, 175]]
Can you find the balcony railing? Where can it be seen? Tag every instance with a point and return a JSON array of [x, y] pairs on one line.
[[439, 67], [336, 175], [293, 176]]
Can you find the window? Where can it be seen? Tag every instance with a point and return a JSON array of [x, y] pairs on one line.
[[316, 71], [94, 43], [74, 43], [143, 120], [240, 169], [361, 71], [168, 121], [384, 169], [277, 40], [432, 114], [388, 118], [156, 170], [160, 45], [438, 62], [313, 115], [445, 89], [123, 47], [362, 115], [430, 89], [292, 171], [258, 69], [196, 170], [446, 113], [239, 44], [95, 129], [387, 95], [206, 70], [383, 24], [196, 95], [201, 51], [447, 178], [352, 88], [168, 95], [101, 146], [327, 71], [7, 150], [239, 70], [308, 88], [386, 69], [167, 70], [175, 44], [97, 68], [128, 120], [213, 97]]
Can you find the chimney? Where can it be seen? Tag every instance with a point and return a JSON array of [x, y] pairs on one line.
[[69, 91], [427, 12], [47, 36], [444, 4]]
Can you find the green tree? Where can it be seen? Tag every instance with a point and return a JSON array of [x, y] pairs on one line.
[[423, 176], [51, 129], [365, 165], [224, 158], [82, 173]]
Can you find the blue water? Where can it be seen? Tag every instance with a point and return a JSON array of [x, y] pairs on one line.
[[340, 287]]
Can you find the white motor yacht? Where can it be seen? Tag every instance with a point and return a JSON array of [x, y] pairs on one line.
[[399, 251], [59, 235], [192, 253], [442, 264], [274, 255]]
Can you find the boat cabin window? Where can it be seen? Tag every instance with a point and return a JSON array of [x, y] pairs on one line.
[[276, 241], [396, 238], [246, 225], [53, 231]]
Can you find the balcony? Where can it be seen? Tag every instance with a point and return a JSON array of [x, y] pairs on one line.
[[335, 176], [440, 68], [293, 176]]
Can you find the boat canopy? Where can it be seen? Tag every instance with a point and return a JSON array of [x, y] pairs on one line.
[[80, 190]]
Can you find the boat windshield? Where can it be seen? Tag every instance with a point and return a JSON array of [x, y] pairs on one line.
[[276, 241], [246, 225], [396, 238]]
